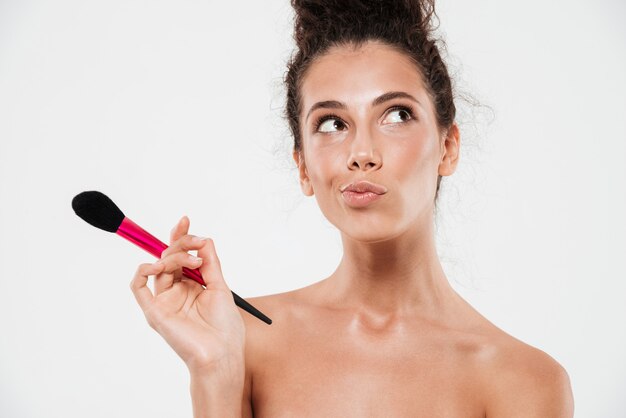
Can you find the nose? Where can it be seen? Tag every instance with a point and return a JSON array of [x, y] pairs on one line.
[[363, 153]]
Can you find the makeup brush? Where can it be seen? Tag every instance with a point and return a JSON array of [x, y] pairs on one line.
[[97, 209]]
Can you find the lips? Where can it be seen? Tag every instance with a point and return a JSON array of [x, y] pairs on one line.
[[364, 187], [362, 193]]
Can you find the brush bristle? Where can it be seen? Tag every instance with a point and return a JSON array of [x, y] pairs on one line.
[[98, 210]]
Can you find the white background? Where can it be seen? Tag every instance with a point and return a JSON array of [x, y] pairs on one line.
[[174, 108]]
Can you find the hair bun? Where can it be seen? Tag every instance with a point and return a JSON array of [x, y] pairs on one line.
[[328, 20]]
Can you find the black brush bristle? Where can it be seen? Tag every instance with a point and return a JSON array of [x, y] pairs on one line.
[[98, 210]]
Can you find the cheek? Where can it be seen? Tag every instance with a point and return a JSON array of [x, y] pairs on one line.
[[416, 155], [416, 167], [323, 167]]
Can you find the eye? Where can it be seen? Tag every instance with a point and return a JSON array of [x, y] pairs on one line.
[[328, 122], [404, 113]]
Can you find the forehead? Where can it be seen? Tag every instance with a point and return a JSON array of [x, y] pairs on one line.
[[356, 77]]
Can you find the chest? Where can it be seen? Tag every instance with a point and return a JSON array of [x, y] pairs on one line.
[[335, 375]]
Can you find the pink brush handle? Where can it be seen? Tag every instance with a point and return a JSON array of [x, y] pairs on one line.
[[139, 236]]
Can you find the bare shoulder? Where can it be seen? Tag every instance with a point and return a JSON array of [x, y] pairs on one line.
[[265, 341], [522, 381], [274, 306]]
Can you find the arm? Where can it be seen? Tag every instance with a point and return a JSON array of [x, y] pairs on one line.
[[209, 398], [218, 394]]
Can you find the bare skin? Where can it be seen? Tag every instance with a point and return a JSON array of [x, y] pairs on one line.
[[319, 360], [385, 335]]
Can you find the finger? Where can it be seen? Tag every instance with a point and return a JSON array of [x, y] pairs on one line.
[[180, 246], [183, 244], [211, 269], [180, 229], [173, 264], [138, 284]]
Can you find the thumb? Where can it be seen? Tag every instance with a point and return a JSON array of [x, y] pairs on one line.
[[210, 268]]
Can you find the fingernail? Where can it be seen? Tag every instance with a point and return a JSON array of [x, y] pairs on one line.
[[194, 259], [199, 239]]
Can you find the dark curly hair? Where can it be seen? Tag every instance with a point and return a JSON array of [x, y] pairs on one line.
[[405, 25]]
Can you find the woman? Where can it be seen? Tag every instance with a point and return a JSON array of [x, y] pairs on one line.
[[370, 105]]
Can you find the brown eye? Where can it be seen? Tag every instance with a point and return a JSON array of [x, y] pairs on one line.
[[328, 122], [403, 114]]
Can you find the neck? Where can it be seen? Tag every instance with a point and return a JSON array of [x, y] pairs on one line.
[[395, 278]]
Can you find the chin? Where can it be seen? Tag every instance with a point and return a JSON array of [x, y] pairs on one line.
[[370, 234]]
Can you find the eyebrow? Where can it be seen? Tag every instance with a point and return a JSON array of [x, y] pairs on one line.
[[334, 104]]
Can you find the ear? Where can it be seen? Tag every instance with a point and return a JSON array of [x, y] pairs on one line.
[[450, 149], [305, 182]]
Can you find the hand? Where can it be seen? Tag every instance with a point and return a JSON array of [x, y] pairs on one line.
[[203, 326]]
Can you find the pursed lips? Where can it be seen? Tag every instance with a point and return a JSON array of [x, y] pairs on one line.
[[364, 187]]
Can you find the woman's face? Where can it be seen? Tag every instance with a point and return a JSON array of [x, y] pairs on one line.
[[394, 143]]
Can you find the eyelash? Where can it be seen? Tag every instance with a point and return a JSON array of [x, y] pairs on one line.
[[324, 118]]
